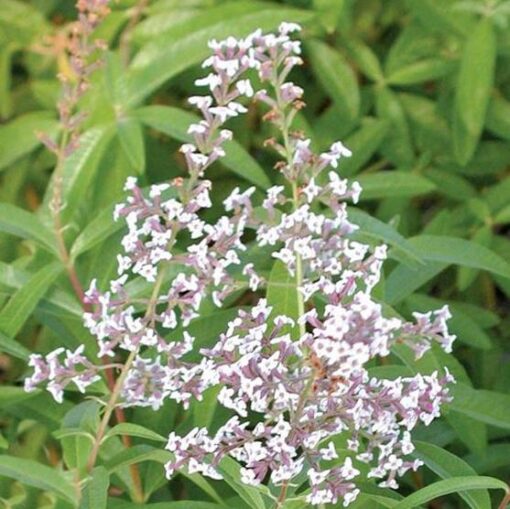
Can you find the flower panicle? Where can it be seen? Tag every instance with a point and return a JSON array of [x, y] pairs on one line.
[[303, 379]]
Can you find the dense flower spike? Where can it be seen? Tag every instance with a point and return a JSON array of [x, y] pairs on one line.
[[297, 385]]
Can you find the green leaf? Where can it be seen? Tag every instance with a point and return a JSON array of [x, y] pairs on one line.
[[15, 278], [12, 347], [490, 157], [205, 486], [76, 448], [24, 301], [368, 501], [431, 132], [365, 58], [470, 431], [418, 72], [474, 85], [135, 430], [203, 411], [175, 122], [438, 16], [374, 228], [453, 186], [485, 406], [465, 275], [447, 465], [336, 77], [282, 295], [114, 82], [137, 454], [18, 137], [10, 395], [131, 140], [495, 457], [363, 143], [21, 22], [498, 117], [100, 228], [35, 474], [391, 184], [158, 22], [26, 225], [404, 280], [80, 169], [186, 44], [452, 250], [95, 492], [6, 54], [398, 146], [330, 12], [447, 486]]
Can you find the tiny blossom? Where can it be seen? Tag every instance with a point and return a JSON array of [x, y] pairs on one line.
[[291, 383]]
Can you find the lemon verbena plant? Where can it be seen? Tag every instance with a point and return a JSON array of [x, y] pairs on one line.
[[306, 415]]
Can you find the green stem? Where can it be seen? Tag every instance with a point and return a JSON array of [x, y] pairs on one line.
[[115, 394], [299, 273], [283, 495], [110, 407], [299, 269]]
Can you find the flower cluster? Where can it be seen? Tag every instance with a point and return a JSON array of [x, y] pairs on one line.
[[59, 370], [299, 384], [309, 390]]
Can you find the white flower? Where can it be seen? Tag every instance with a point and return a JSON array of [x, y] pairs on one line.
[[212, 81], [287, 28], [244, 88], [130, 184]]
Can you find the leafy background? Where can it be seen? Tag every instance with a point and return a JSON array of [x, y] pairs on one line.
[[419, 90]]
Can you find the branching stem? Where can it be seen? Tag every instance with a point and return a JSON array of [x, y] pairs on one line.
[[285, 130]]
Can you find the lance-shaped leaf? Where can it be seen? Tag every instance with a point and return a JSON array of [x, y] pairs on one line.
[[95, 491], [474, 86], [24, 224], [398, 146], [18, 138], [447, 486], [35, 474], [336, 77], [389, 184], [25, 300], [446, 465]]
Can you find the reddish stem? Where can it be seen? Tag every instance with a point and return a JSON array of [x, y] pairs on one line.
[[505, 502]]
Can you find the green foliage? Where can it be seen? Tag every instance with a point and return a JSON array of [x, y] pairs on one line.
[[419, 90]]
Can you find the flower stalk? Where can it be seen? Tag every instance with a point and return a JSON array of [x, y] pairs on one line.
[[80, 49]]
